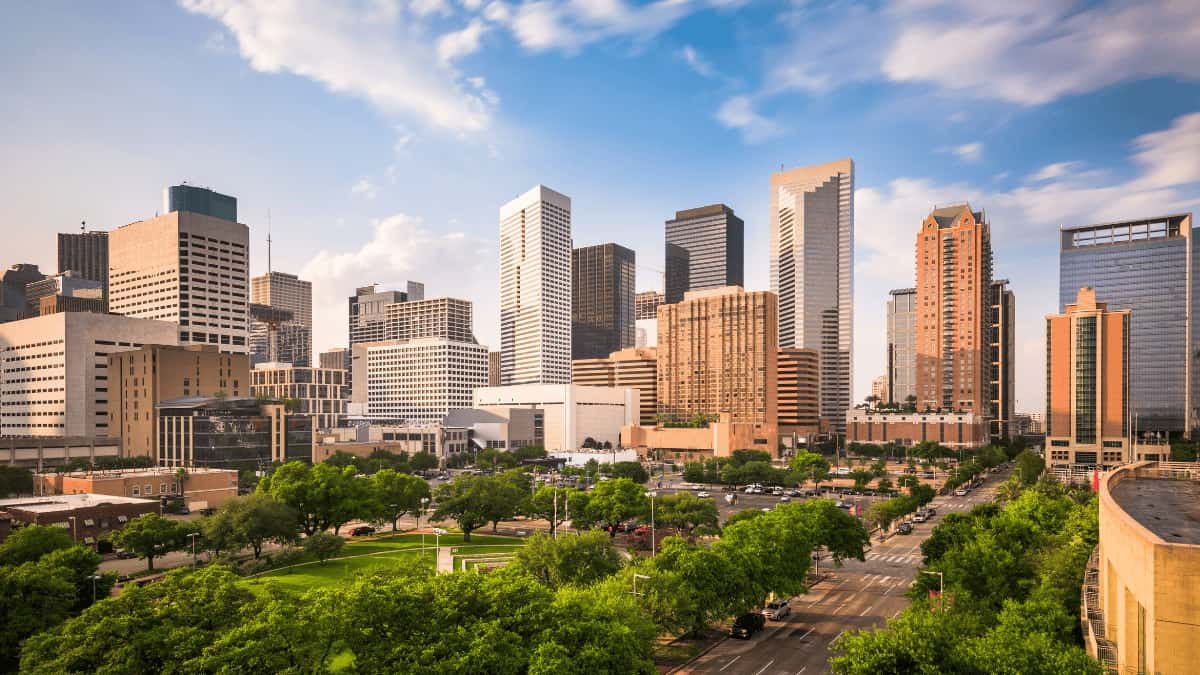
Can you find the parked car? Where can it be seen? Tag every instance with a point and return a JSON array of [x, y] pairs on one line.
[[905, 528], [704, 495], [125, 555], [919, 516], [777, 491], [749, 489], [843, 505], [757, 491], [960, 492], [785, 498], [746, 625], [777, 610], [930, 511], [792, 492], [362, 531]]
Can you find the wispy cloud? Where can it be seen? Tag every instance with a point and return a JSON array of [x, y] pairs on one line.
[[968, 152], [364, 188], [738, 113], [696, 62]]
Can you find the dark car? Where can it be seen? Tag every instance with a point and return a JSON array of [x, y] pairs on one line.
[[905, 528], [747, 625], [362, 531]]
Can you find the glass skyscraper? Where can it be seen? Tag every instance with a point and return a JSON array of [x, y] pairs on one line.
[[713, 238], [1147, 266]]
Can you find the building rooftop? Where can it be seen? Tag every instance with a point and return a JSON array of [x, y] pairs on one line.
[[1168, 508], [51, 504], [101, 474]]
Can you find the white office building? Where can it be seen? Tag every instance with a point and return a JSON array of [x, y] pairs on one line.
[[54, 370], [535, 288], [187, 268], [811, 266], [571, 412], [416, 380]]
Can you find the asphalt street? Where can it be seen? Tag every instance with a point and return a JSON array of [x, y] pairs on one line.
[[857, 595]]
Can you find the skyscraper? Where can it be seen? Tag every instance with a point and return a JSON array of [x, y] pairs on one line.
[[811, 266], [645, 305], [1002, 351], [718, 353], [199, 200], [188, 268], [713, 239], [535, 288], [287, 292], [901, 345], [85, 253], [1147, 266], [954, 311], [1087, 384], [367, 311], [798, 382], [601, 300]]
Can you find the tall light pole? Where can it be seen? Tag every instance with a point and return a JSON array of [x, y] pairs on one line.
[[193, 536], [437, 543], [95, 578], [941, 589], [424, 504], [74, 530], [653, 539]]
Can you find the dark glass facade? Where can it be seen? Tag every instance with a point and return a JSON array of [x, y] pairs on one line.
[[201, 200], [713, 237], [1145, 266], [85, 253], [677, 280], [232, 434], [602, 293]]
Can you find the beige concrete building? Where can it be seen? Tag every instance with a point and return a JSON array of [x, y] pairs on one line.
[[571, 413], [319, 393], [437, 439], [201, 489], [879, 388], [535, 288], [717, 439], [448, 318], [292, 338], [187, 268], [417, 380], [799, 393], [955, 430], [333, 359], [718, 353], [645, 305], [812, 272], [54, 371], [1087, 385], [636, 367], [40, 452], [1141, 590], [140, 379]]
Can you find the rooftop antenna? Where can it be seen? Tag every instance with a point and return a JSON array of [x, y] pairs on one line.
[[268, 241], [82, 225]]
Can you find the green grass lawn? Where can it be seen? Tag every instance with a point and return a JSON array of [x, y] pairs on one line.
[[368, 555]]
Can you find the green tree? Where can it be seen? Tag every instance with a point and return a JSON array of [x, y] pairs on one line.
[[1029, 467], [29, 544], [617, 500], [397, 494], [15, 480], [323, 545], [323, 496], [742, 457], [543, 504], [277, 635], [252, 521], [529, 452], [79, 564], [570, 559], [150, 536], [467, 500], [634, 471], [423, 461], [496, 459], [685, 511], [810, 466], [33, 598]]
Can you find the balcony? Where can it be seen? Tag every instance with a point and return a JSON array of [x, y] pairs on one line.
[[1096, 632]]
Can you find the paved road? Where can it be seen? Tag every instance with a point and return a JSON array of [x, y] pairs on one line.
[[858, 595]]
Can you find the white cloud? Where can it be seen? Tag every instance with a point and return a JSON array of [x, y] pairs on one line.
[[428, 7], [375, 51], [365, 188], [696, 62], [738, 113], [1055, 170], [1171, 156], [403, 248], [461, 43], [969, 152], [569, 25]]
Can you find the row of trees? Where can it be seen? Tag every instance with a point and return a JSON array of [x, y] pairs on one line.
[[569, 604], [1011, 603], [380, 459]]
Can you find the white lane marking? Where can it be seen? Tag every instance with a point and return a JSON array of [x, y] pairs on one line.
[[864, 612], [802, 670], [806, 633], [730, 662], [760, 670], [897, 613]]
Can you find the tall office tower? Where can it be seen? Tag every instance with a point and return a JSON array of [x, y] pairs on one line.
[[1145, 265], [811, 267], [437, 317], [188, 268], [55, 379], [535, 288], [602, 293], [645, 305], [718, 353], [1002, 356], [12, 290], [902, 345], [140, 379], [1087, 384], [417, 380], [367, 314], [320, 393], [799, 383], [276, 337], [287, 291], [333, 359], [954, 311], [493, 369], [713, 239], [636, 368], [199, 200], [69, 284], [85, 253]]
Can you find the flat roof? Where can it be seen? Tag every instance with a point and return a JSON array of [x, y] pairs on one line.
[[1168, 508], [52, 503], [100, 474]]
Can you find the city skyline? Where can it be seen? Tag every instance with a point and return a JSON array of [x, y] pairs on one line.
[[1037, 141]]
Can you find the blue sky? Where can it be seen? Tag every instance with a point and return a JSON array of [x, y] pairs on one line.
[[384, 135]]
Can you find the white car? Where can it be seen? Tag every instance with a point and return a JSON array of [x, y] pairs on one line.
[[777, 610], [785, 499], [703, 495], [749, 489], [961, 492]]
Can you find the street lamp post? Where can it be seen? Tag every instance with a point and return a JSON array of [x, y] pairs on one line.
[[653, 539], [95, 578], [193, 536], [74, 530], [941, 589], [424, 504], [437, 544], [637, 576]]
